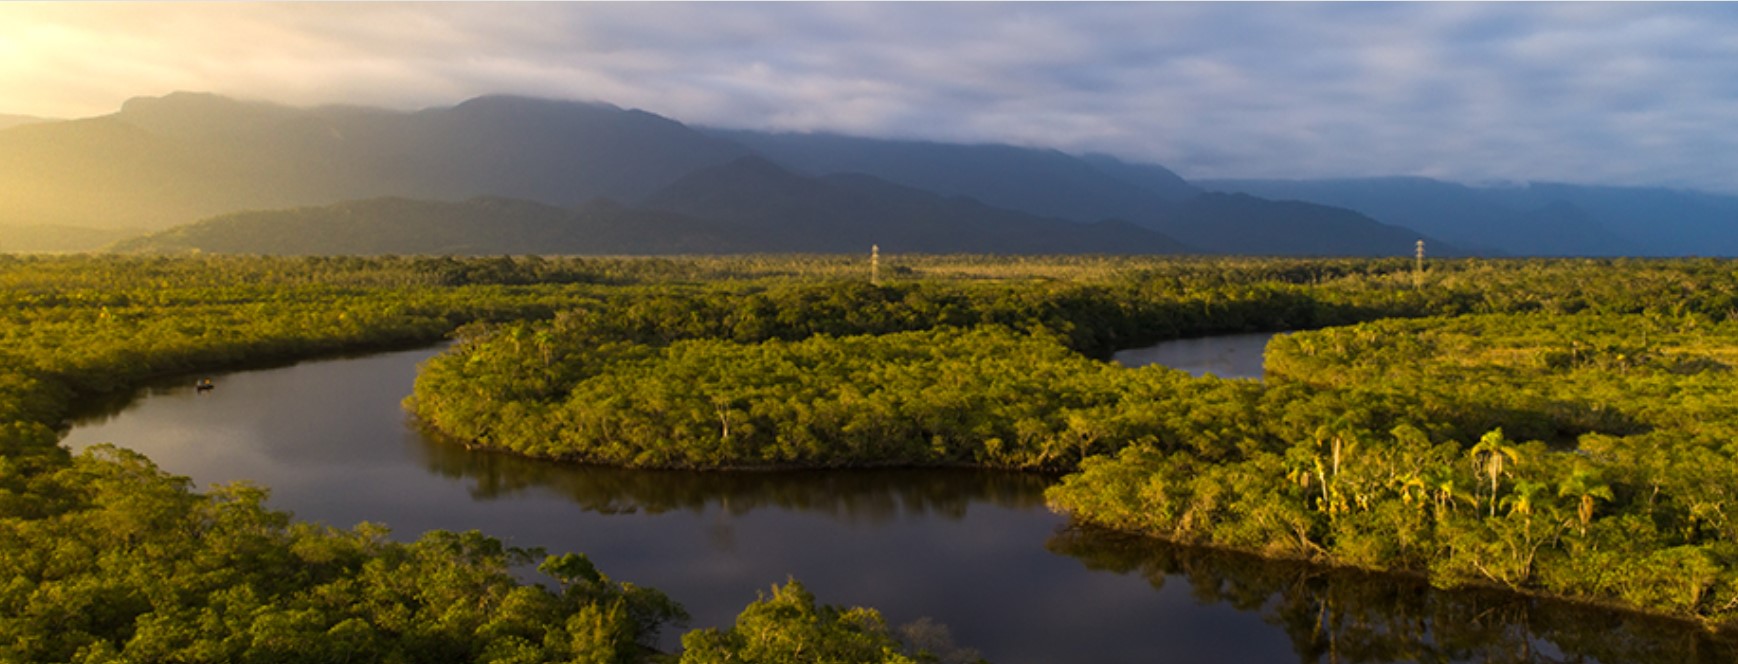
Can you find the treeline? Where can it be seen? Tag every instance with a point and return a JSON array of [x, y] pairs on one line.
[[1349, 615], [865, 496], [1488, 428], [985, 396], [110, 560], [106, 558], [837, 373], [828, 372], [1587, 456]]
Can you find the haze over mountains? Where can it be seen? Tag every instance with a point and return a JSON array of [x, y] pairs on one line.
[[519, 175], [1543, 219], [745, 206], [16, 120]]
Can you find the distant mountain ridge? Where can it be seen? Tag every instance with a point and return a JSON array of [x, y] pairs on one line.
[[59, 239], [7, 120], [1244, 224], [846, 212], [1092, 188], [478, 226], [1536, 219], [748, 205], [1041, 182], [182, 157], [164, 161]]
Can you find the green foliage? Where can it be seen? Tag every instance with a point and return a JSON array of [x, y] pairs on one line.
[[1614, 492], [1477, 430], [105, 558], [132, 566], [1610, 382], [985, 396], [1350, 615], [788, 627]]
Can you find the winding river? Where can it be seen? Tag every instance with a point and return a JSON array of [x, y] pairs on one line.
[[975, 551]]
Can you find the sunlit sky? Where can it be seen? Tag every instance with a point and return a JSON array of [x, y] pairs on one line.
[[1606, 93]]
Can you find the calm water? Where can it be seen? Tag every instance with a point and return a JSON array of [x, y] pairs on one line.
[[976, 551], [1228, 356]]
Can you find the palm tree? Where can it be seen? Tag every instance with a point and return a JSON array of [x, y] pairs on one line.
[[1444, 486], [1584, 484], [1413, 488], [1487, 458], [1524, 497]]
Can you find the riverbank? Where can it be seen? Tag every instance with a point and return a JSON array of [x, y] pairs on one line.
[[1508, 448], [1319, 457], [976, 551], [111, 559]]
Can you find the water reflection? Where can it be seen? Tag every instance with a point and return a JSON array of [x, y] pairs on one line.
[[1352, 616], [1227, 356], [973, 550], [858, 496]]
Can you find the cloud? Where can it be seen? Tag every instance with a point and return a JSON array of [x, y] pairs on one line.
[[1584, 92]]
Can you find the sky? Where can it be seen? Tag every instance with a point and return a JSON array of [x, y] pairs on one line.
[[1593, 93]]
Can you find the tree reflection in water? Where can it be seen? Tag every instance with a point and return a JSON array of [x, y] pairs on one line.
[[856, 496], [1342, 615], [1329, 615]]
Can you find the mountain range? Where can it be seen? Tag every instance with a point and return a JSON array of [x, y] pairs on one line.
[[744, 206], [16, 120], [1531, 219], [504, 174]]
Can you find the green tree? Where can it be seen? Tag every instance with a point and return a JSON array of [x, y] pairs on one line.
[[1488, 456], [1584, 484], [788, 627]]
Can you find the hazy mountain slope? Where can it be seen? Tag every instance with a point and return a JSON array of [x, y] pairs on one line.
[[1151, 177], [748, 205], [403, 226], [1094, 187], [753, 205], [168, 160], [556, 152], [1536, 219], [850, 212], [108, 174], [1660, 221], [1243, 224], [17, 120], [58, 239], [1045, 183]]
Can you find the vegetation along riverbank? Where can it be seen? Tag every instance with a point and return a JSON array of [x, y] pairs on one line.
[[1547, 426], [106, 558], [1557, 427]]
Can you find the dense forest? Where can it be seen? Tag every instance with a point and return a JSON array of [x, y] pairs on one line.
[[106, 558], [1546, 426], [1584, 456], [1554, 427]]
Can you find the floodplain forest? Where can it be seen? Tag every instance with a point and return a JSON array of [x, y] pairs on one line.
[[1555, 427], [106, 558]]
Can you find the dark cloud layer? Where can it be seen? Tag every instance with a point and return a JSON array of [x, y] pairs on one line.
[[1597, 93]]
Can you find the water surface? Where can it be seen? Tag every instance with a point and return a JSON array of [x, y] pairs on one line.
[[1227, 356], [964, 548], [976, 551]]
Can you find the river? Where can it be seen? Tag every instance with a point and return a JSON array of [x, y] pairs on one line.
[[976, 551]]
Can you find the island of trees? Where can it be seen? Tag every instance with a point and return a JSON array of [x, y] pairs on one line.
[[1557, 427]]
